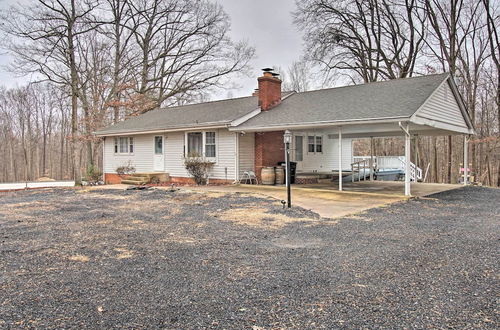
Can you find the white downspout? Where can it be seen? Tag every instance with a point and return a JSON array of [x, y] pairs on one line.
[[371, 158], [103, 160], [237, 158], [466, 159], [406, 130], [340, 158]]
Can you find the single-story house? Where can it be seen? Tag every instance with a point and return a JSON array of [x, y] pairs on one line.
[[246, 134]]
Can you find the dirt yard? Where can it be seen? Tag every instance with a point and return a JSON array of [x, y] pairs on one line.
[[152, 259]]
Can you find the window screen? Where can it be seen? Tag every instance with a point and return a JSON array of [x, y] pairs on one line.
[[210, 144]]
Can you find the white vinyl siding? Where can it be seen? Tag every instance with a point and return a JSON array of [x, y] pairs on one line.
[[246, 153], [443, 107], [225, 151], [327, 160], [141, 158]]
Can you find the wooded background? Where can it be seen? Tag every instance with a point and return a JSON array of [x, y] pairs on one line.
[[91, 63]]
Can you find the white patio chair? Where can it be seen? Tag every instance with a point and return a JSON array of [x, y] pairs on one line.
[[249, 176]]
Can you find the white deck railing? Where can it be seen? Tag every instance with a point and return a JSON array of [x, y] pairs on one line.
[[415, 172], [385, 162]]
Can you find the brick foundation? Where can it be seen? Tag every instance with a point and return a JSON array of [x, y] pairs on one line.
[[306, 180], [190, 181], [269, 150], [112, 178]]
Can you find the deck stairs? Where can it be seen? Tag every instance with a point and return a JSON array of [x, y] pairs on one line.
[[144, 178]]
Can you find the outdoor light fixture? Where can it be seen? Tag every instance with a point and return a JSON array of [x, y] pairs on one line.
[[287, 139]]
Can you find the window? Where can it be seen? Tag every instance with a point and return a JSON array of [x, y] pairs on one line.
[[195, 144], [124, 145], [315, 144], [319, 144], [310, 144], [201, 144], [299, 148], [210, 144], [158, 145], [131, 145]]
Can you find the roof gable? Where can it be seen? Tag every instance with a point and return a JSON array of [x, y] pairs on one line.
[[442, 110]]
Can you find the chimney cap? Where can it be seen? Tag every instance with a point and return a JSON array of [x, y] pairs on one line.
[[275, 74], [268, 69]]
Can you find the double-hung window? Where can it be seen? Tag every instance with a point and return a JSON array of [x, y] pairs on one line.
[[314, 144], [201, 144], [210, 144], [124, 145]]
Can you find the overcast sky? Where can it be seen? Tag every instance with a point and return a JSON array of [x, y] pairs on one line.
[[265, 24]]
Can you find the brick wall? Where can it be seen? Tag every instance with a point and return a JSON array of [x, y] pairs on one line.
[[269, 150]]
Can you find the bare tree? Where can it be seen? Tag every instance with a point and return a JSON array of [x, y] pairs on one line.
[[374, 39], [182, 48], [298, 77], [43, 40]]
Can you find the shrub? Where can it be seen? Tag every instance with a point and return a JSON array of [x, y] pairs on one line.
[[198, 168], [93, 174], [125, 169]]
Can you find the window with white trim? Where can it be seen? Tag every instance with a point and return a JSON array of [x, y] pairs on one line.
[[210, 144], [124, 145], [201, 144], [314, 144], [319, 144], [310, 144]]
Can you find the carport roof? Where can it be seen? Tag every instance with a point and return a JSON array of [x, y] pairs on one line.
[[393, 99]]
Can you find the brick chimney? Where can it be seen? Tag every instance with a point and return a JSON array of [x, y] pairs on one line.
[[269, 89]]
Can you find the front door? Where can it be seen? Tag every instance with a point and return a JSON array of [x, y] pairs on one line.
[[159, 159]]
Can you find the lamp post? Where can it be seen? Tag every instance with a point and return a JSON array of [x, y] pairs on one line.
[[287, 138]]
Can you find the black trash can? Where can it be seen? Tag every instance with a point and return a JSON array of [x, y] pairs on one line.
[[293, 170]]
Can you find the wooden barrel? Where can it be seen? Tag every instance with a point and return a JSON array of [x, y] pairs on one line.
[[280, 175], [268, 176]]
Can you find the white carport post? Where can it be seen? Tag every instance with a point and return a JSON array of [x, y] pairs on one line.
[[340, 158], [371, 158], [406, 130], [466, 159]]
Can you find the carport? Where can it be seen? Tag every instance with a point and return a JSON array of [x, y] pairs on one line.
[[420, 106]]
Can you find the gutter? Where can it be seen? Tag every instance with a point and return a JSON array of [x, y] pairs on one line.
[[323, 123], [164, 130]]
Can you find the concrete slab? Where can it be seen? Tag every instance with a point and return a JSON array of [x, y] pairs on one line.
[[328, 202], [386, 187], [325, 199]]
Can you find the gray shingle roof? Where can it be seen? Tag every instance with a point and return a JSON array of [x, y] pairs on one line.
[[387, 99], [201, 114]]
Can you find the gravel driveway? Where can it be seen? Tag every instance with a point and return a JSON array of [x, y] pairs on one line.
[[151, 259]]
